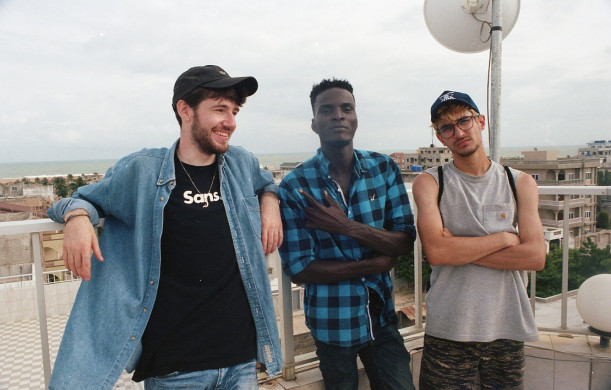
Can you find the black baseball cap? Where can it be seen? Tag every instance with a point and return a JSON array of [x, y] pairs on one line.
[[210, 76], [449, 96]]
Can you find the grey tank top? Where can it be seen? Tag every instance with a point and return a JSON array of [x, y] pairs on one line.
[[471, 302]]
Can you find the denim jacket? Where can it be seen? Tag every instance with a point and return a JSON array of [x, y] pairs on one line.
[[102, 336]]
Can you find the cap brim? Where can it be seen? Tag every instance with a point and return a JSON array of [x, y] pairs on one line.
[[249, 82]]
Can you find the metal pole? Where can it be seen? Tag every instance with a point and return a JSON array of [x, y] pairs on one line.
[[418, 299], [533, 290], [495, 81], [42, 310], [565, 262], [285, 310]]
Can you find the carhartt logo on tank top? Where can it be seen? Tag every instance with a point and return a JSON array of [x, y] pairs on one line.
[[203, 199]]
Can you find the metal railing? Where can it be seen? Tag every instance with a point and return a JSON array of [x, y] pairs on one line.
[[35, 228]]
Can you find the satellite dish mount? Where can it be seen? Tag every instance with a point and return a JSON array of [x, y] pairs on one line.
[[471, 26]]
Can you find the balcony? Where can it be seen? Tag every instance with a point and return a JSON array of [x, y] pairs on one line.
[[559, 204], [573, 222], [33, 313], [573, 182]]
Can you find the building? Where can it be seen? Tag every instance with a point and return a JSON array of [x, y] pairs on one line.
[[412, 164], [549, 170], [599, 148], [285, 168]]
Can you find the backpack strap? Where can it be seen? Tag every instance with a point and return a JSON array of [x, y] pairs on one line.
[[440, 182], [512, 184]]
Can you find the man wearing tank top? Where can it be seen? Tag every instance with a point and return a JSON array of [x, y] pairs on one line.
[[480, 240]]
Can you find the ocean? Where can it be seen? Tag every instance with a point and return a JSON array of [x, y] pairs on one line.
[[78, 167]]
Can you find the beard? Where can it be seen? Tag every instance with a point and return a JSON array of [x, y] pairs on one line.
[[203, 139]]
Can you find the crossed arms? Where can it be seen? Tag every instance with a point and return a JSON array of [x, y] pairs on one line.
[[503, 250], [331, 218]]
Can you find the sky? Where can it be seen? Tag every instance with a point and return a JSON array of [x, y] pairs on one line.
[[93, 80]]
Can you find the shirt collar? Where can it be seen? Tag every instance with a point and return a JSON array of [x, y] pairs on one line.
[[360, 165]]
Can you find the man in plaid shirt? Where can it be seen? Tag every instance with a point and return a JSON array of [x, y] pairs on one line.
[[346, 218]]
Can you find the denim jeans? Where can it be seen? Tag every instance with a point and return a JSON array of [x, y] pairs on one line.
[[238, 377], [385, 359]]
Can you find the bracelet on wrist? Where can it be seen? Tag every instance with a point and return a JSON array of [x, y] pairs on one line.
[[69, 218]]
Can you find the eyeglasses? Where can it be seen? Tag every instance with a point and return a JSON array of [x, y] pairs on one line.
[[465, 124]]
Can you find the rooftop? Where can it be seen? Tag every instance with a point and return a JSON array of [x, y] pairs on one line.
[[566, 357]]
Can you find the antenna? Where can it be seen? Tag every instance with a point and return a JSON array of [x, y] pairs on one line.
[[471, 26]]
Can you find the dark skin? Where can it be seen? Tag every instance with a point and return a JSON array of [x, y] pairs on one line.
[[333, 108]]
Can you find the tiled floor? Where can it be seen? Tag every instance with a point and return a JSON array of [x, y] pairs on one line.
[[21, 358], [554, 362]]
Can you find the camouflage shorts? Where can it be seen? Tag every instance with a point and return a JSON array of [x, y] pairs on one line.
[[450, 364]]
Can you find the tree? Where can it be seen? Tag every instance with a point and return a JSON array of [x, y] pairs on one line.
[[61, 189], [603, 220], [585, 262], [405, 269], [603, 178], [549, 279], [44, 181]]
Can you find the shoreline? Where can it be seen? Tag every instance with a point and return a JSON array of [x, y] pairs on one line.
[[11, 180], [15, 171]]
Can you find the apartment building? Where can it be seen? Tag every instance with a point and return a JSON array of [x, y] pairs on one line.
[[601, 148], [412, 164], [549, 170]]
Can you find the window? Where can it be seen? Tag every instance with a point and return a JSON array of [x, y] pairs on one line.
[[571, 176], [588, 175], [587, 231], [571, 215], [535, 176], [588, 213]]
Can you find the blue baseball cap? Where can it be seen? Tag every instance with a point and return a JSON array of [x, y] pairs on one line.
[[450, 96]]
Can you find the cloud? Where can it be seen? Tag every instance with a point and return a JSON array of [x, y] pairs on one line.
[[83, 80]]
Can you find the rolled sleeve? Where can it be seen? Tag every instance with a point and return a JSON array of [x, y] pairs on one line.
[[63, 206]]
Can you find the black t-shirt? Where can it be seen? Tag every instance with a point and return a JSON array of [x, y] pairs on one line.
[[201, 318]]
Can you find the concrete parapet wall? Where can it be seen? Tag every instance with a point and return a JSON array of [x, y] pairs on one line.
[[18, 300]]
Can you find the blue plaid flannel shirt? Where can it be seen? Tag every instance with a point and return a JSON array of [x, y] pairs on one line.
[[336, 313]]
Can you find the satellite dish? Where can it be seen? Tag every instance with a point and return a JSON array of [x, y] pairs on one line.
[[465, 25]]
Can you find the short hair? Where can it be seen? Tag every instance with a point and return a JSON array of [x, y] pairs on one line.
[[447, 110], [317, 89], [236, 94]]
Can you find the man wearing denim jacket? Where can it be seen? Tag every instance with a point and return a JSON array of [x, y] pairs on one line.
[[182, 293]]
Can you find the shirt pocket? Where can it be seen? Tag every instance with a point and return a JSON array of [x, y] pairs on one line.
[[253, 211], [498, 217]]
